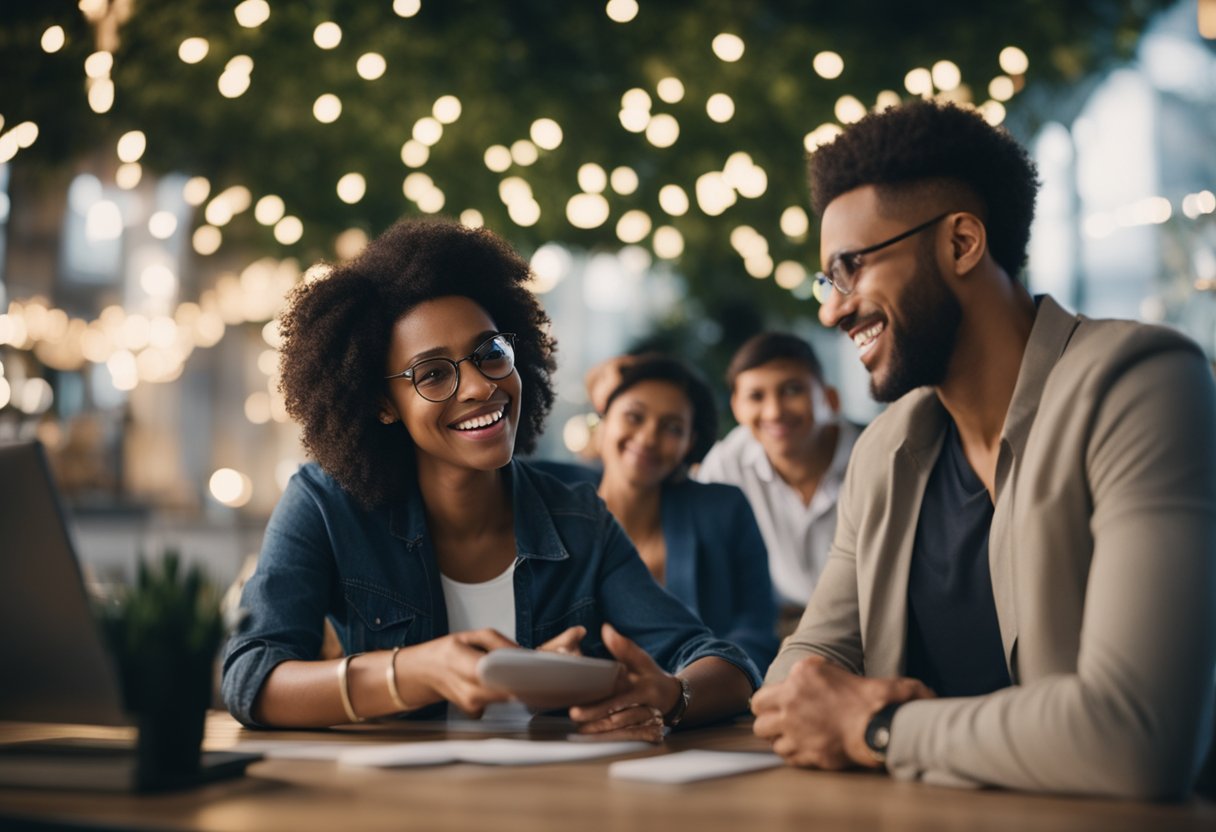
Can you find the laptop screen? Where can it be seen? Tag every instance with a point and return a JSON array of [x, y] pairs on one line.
[[54, 665]]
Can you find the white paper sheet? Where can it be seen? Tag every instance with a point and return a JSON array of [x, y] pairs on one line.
[[689, 766], [497, 752]]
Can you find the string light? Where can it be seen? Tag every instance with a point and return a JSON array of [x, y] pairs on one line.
[[1001, 88], [592, 178], [728, 47], [53, 39], [546, 133], [720, 107], [327, 108], [624, 180], [946, 76], [663, 130], [447, 109], [193, 50], [668, 242], [131, 146], [497, 158], [919, 81], [351, 188], [252, 13], [828, 65], [670, 90], [427, 131], [406, 8], [524, 153], [370, 66], [621, 11], [327, 35], [674, 200], [1013, 60], [414, 154]]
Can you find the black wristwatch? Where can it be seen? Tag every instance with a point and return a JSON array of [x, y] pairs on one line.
[[672, 718], [878, 731]]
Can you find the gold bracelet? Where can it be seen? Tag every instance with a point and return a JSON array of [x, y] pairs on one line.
[[390, 675], [344, 691]]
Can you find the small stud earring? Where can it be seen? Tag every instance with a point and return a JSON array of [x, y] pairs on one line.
[[385, 419]]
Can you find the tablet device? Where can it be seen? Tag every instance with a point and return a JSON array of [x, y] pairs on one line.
[[547, 680]]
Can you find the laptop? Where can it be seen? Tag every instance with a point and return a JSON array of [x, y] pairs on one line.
[[56, 666]]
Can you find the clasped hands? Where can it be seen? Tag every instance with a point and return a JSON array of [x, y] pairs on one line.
[[817, 716], [644, 691]]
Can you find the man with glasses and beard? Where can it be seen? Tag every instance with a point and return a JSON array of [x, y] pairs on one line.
[[1022, 587]]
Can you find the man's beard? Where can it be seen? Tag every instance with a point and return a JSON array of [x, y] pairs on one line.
[[920, 353]]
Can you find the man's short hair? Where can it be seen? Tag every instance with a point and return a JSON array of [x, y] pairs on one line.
[[772, 346], [903, 148]]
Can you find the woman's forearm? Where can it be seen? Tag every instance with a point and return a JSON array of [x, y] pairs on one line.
[[307, 694]]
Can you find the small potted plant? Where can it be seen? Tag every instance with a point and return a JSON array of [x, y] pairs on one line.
[[164, 632]]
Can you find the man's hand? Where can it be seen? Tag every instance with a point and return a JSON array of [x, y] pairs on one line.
[[817, 717]]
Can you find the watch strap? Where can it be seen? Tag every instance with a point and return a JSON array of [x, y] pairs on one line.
[[878, 731]]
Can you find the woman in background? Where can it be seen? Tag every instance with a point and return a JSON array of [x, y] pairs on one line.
[[415, 371], [700, 540]]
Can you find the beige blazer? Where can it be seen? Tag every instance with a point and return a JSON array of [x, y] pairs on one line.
[[1102, 553]]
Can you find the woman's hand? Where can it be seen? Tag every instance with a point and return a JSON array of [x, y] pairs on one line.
[[644, 693], [566, 642], [449, 668]]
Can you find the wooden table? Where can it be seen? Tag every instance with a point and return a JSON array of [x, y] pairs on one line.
[[579, 797]]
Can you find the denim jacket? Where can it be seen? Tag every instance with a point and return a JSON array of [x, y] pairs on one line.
[[374, 574]]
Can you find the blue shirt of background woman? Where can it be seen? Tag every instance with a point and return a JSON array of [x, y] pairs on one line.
[[700, 540], [415, 371]]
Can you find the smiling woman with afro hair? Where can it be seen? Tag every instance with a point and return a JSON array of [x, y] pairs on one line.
[[336, 334], [416, 371]]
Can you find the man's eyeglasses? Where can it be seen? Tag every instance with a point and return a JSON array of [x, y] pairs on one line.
[[841, 273], [436, 379]]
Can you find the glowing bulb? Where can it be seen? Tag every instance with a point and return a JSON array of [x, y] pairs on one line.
[[206, 239], [524, 153], [633, 226], [1001, 88], [371, 66], [497, 158], [663, 130], [193, 50], [269, 210], [919, 81], [624, 180], [288, 230], [252, 13], [351, 188], [673, 200], [849, 109], [728, 47], [789, 274], [233, 84], [327, 35], [447, 109], [53, 39], [195, 191], [127, 176], [621, 11], [946, 76], [472, 218], [636, 99], [414, 153], [592, 178], [524, 212], [327, 108], [406, 8], [546, 133], [131, 146], [427, 131], [828, 65], [587, 210], [101, 95], [1014, 60], [720, 107], [670, 90], [795, 222], [668, 242], [98, 65], [162, 224]]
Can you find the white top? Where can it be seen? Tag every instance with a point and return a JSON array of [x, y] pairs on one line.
[[489, 604], [798, 537]]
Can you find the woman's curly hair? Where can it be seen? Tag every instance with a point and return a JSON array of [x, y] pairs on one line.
[[336, 332], [923, 141]]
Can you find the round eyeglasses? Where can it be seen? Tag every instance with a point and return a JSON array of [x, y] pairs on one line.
[[841, 273], [437, 379]]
